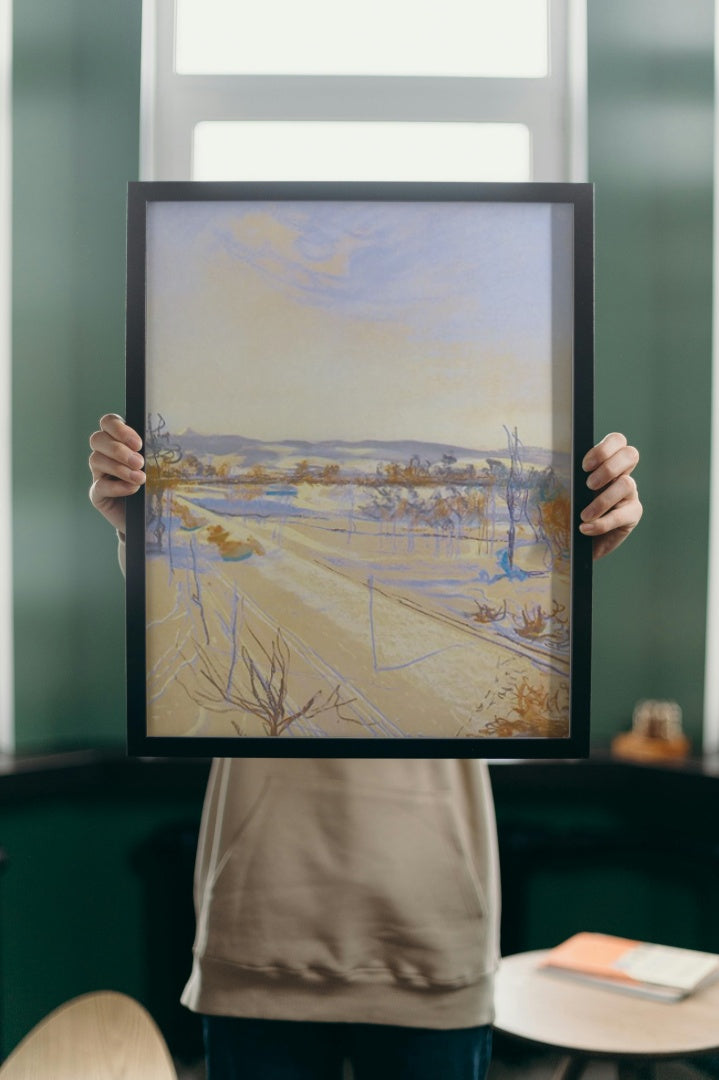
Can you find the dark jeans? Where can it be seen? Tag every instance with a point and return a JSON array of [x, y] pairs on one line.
[[239, 1049]]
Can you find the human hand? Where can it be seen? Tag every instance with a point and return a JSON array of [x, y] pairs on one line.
[[116, 467], [616, 510]]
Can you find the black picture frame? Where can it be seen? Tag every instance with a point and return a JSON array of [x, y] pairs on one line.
[[289, 233]]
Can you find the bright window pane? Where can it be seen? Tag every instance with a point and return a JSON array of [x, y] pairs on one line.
[[498, 38], [277, 150]]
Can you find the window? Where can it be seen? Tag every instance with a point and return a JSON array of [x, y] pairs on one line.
[[710, 742], [465, 90], [401, 38], [358, 150]]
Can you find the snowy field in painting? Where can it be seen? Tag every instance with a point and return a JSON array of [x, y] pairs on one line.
[[321, 604]]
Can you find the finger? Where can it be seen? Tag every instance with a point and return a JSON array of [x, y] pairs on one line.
[[626, 515], [621, 490], [603, 450], [624, 461], [118, 452], [116, 427], [103, 466]]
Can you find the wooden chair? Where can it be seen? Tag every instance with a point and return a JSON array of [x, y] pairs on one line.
[[98, 1036]]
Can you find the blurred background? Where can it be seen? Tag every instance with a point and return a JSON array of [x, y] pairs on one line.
[[617, 92]]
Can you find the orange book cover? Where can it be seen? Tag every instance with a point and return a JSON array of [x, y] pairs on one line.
[[592, 954], [662, 971]]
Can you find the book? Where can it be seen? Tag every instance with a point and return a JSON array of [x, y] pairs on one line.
[[660, 972]]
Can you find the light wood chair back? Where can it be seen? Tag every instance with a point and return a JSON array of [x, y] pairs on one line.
[[98, 1036]]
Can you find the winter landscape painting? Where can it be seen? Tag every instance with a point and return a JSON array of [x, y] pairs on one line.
[[359, 440]]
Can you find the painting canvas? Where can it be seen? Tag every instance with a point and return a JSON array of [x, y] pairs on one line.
[[362, 407]]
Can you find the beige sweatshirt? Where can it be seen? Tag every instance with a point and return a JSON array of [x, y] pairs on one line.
[[347, 890]]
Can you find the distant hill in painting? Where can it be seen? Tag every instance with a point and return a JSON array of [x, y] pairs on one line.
[[257, 451]]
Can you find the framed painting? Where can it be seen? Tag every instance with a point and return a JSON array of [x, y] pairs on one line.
[[364, 408]]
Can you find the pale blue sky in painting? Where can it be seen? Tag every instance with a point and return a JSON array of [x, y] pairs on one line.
[[320, 320]]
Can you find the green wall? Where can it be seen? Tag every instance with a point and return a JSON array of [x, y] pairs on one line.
[[650, 156], [76, 90], [77, 900], [75, 108]]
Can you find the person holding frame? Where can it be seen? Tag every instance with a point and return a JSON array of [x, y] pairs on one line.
[[348, 909]]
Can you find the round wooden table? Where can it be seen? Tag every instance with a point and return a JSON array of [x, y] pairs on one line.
[[586, 1022]]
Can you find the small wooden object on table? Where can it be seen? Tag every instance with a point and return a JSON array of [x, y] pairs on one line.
[[656, 734]]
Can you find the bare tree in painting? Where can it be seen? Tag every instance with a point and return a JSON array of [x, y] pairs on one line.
[[160, 452], [521, 703], [254, 681], [513, 491], [485, 613], [532, 708], [534, 623], [549, 513]]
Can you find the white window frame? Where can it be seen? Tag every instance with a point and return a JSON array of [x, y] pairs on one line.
[[553, 108], [710, 727], [7, 718]]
